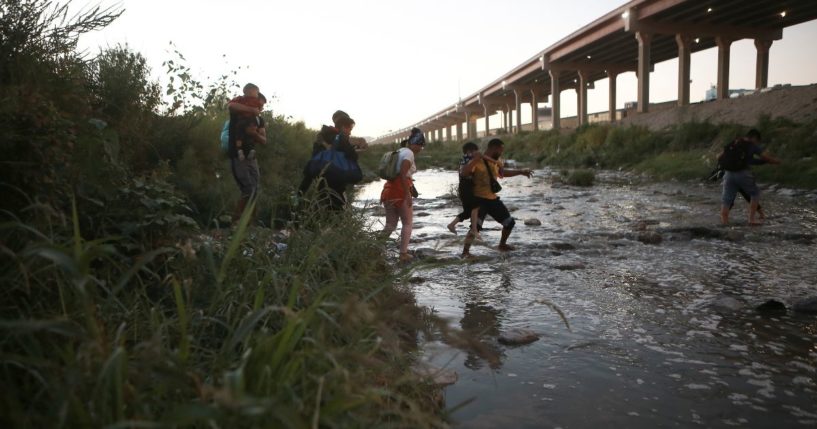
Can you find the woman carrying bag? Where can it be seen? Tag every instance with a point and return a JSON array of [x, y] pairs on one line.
[[398, 193]]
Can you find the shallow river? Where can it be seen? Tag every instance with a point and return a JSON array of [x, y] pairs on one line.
[[654, 335]]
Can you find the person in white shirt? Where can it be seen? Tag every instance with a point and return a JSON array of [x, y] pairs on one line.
[[398, 193]]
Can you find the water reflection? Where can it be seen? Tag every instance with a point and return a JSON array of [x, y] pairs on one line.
[[483, 295], [662, 334], [481, 321]]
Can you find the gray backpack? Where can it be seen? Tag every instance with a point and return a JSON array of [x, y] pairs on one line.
[[388, 168]]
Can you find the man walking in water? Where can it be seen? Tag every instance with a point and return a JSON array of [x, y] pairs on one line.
[[486, 170], [736, 159]]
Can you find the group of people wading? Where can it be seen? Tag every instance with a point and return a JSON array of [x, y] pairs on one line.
[[478, 186], [333, 167]]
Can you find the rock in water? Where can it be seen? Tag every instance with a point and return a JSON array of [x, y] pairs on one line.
[[533, 222], [569, 265], [562, 246], [727, 303], [438, 376], [650, 237], [808, 305], [518, 337], [771, 307], [426, 253]]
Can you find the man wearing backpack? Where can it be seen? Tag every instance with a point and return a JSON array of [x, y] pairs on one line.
[[735, 159]]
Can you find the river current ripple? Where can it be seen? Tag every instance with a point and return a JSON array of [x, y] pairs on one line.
[[660, 335]]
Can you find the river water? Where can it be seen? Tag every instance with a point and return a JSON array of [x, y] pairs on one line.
[[654, 335]]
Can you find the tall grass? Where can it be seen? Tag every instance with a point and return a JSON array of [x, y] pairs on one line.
[[121, 308], [229, 333]]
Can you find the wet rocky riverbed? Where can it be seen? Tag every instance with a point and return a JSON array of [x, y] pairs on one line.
[[646, 309]]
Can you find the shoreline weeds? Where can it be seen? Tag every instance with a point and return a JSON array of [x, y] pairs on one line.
[[684, 151]]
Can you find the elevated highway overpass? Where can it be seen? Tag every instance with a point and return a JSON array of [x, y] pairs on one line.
[[631, 38]]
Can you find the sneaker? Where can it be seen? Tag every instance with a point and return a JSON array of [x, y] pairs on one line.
[[505, 248]]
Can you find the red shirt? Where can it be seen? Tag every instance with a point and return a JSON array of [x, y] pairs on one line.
[[249, 102]]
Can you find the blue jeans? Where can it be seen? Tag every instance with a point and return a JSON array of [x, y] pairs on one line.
[[733, 181]]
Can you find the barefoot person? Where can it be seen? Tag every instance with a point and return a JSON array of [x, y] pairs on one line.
[[397, 193], [465, 190], [486, 186], [736, 159]]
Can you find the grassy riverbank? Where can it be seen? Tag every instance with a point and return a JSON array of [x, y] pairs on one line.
[[125, 304], [684, 152]]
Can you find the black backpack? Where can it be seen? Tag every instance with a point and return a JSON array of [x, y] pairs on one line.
[[736, 155]]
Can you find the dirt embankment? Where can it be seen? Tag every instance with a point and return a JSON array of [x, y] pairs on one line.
[[798, 103]]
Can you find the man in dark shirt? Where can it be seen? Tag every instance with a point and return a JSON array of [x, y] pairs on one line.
[[332, 187], [741, 179]]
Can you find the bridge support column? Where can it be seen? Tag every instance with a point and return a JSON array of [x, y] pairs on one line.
[[518, 94], [555, 94], [487, 120], [724, 48], [684, 51], [762, 66], [611, 97], [448, 133], [644, 44], [582, 95], [508, 119], [534, 107], [459, 131]]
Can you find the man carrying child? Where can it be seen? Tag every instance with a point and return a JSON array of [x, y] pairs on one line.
[[246, 130], [486, 169]]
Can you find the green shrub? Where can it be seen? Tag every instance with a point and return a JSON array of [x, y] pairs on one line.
[[227, 331], [121, 310], [584, 177], [677, 165]]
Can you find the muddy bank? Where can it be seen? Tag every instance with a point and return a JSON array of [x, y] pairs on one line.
[[797, 103]]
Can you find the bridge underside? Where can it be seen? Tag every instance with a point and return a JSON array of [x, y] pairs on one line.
[[633, 37]]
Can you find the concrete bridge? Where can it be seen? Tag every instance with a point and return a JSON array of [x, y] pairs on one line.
[[633, 38]]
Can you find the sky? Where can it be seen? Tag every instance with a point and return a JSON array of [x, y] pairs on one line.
[[392, 63]]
